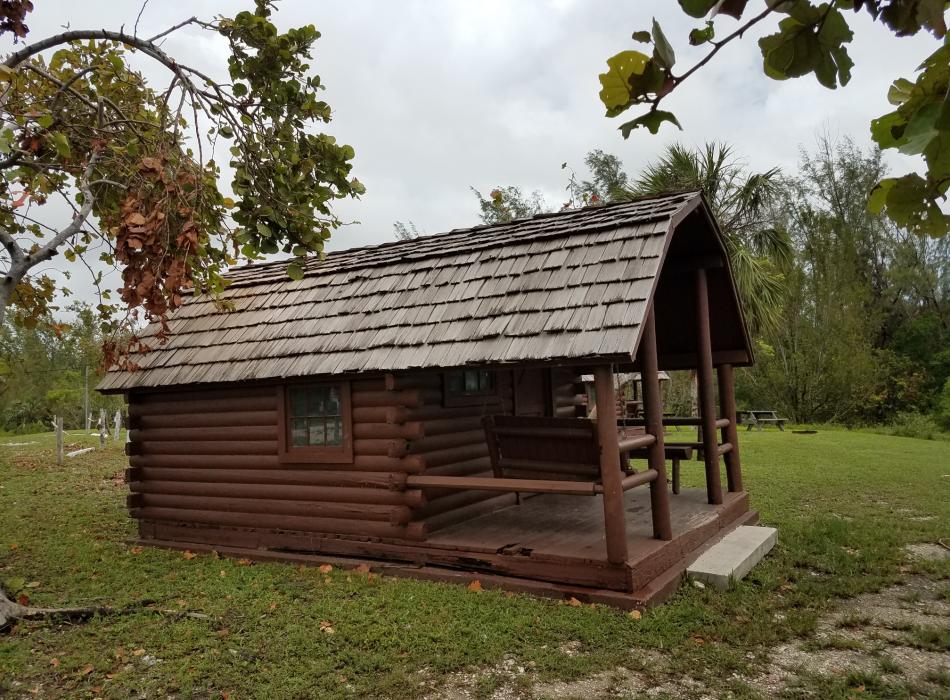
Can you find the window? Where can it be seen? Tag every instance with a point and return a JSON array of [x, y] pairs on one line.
[[468, 387], [316, 423]]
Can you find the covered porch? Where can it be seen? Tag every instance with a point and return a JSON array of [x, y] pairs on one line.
[[589, 501]]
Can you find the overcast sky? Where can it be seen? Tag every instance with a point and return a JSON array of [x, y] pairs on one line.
[[438, 96]]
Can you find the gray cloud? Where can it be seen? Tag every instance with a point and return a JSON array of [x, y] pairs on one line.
[[439, 96]]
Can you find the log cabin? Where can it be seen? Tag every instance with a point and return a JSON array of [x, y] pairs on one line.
[[419, 406]]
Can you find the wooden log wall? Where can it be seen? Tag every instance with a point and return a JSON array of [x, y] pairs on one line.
[[209, 458], [453, 444]]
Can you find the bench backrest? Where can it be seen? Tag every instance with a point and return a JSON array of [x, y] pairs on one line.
[[543, 448]]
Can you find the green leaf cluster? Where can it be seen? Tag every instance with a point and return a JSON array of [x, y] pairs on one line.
[[810, 40], [920, 125], [634, 78]]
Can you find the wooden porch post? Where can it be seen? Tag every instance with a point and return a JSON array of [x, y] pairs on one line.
[[730, 434], [707, 397], [653, 413], [610, 475]]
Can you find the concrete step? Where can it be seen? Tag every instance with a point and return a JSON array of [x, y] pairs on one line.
[[733, 556]]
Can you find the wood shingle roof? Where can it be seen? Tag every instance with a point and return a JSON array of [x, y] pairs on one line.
[[562, 286]]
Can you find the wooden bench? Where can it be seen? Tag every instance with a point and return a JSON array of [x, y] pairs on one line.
[[759, 418], [558, 448]]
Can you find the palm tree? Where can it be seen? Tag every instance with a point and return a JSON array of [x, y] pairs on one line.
[[742, 203]]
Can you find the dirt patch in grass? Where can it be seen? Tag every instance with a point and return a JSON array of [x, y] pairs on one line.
[[893, 641]]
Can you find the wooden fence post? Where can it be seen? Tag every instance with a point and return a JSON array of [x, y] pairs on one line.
[[707, 390], [730, 434], [610, 475], [653, 413], [59, 439]]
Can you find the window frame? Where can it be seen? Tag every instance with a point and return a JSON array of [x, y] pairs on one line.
[[450, 399], [288, 453]]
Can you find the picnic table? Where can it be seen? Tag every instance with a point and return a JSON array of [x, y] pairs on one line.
[[759, 418]]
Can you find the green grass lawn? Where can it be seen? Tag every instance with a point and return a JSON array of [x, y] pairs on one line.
[[845, 505]]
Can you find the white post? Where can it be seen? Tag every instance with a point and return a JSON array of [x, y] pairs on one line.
[[102, 427], [59, 440], [85, 398], [117, 427]]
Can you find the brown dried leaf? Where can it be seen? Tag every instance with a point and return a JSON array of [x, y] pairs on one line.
[[137, 549], [327, 627], [86, 670], [188, 554], [362, 569], [574, 602], [634, 615], [475, 585], [325, 568], [245, 562]]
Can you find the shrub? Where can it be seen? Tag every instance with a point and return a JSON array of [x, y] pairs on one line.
[[915, 425], [943, 406]]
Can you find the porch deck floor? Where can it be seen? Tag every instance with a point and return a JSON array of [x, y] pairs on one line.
[[572, 527]]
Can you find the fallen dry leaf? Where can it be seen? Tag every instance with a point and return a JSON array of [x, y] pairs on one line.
[[23, 599], [138, 652], [327, 627], [222, 573], [324, 568], [475, 585], [634, 615], [54, 662], [188, 554], [137, 549], [698, 640], [245, 562], [574, 602], [272, 606], [86, 670], [14, 546], [33, 584], [362, 569]]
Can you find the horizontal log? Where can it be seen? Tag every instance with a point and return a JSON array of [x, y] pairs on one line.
[[472, 510], [447, 441], [229, 433], [394, 515], [407, 431], [380, 414], [205, 420], [286, 492], [203, 394], [636, 442], [335, 526], [305, 477], [634, 480], [465, 468], [454, 454], [722, 423], [368, 384], [397, 382], [410, 463], [408, 397], [550, 466], [565, 412], [198, 448], [164, 408], [573, 488], [431, 428], [449, 499], [556, 433], [725, 447], [386, 448], [436, 411]]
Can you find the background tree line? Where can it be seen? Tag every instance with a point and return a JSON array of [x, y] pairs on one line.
[[850, 314], [42, 369]]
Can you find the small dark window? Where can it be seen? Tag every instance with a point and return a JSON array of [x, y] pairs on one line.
[[316, 423], [469, 386]]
